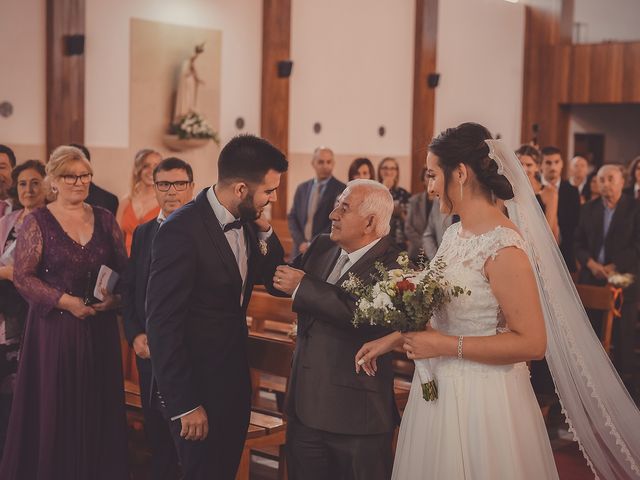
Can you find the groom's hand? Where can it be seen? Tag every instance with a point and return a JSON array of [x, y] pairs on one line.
[[287, 279], [195, 425]]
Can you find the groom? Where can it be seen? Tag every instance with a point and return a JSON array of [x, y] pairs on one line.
[[205, 260], [340, 423]]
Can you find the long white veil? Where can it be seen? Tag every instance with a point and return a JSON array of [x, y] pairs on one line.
[[601, 414]]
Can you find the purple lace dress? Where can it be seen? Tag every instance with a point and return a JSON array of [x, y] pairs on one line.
[[68, 418]]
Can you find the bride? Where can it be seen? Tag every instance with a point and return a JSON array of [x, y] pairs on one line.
[[486, 422]]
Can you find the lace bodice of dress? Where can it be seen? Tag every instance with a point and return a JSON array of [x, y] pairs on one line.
[[479, 313]]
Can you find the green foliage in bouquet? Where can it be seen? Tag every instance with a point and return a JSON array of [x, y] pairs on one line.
[[402, 299]]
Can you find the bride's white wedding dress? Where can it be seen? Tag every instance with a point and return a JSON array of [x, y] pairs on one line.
[[486, 423]]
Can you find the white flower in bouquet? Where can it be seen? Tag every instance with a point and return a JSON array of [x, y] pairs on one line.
[[621, 280], [383, 300]]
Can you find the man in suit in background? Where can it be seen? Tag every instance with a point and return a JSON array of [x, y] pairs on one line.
[[340, 423], [205, 261], [437, 224], [98, 196], [607, 241], [568, 201], [7, 164], [173, 181], [417, 217], [313, 201], [579, 176]]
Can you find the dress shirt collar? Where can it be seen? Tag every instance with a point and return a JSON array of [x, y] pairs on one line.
[[161, 217], [557, 183], [358, 254], [223, 215], [321, 183], [636, 187]]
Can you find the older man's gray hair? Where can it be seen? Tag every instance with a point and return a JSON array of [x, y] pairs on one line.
[[611, 167], [377, 201]]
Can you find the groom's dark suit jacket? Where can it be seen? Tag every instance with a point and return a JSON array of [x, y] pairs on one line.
[[324, 390], [196, 325]]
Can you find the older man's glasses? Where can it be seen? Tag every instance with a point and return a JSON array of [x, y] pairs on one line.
[[84, 179], [180, 186]]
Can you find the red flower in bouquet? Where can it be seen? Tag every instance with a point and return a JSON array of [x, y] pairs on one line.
[[405, 286]]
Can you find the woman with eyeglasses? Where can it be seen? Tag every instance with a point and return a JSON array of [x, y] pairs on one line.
[[389, 176], [68, 419], [140, 205]]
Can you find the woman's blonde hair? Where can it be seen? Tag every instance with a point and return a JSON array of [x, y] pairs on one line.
[[59, 162], [138, 166]]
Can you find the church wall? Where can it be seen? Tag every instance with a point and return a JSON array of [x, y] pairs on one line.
[[352, 73], [480, 58]]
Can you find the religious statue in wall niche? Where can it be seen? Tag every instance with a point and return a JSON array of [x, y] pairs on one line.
[[188, 82], [188, 128]]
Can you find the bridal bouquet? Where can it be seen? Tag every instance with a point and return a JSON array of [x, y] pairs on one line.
[[404, 299]]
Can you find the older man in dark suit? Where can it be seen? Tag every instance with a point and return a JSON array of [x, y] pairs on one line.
[[608, 241], [205, 261], [313, 201], [341, 423], [173, 181]]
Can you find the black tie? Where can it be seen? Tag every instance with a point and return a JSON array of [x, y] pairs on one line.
[[233, 225]]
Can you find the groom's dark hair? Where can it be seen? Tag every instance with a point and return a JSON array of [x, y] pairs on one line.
[[248, 158]]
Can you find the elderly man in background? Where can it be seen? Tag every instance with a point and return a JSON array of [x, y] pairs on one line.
[[607, 241], [7, 164], [313, 201], [332, 432]]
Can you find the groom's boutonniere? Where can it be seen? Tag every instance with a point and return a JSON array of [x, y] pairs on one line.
[[262, 246]]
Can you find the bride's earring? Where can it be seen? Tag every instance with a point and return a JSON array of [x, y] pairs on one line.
[[461, 190]]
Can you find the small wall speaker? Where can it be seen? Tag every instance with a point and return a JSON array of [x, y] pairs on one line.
[[73, 45], [433, 79], [284, 68]]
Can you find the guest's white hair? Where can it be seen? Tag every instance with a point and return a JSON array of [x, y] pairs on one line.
[[377, 201], [611, 167]]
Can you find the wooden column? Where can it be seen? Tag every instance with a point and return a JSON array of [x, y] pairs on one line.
[[274, 120], [426, 36], [65, 74], [547, 73]]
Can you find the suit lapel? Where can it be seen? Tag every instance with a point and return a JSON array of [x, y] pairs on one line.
[[599, 225], [331, 257], [251, 241], [618, 216], [360, 268], [218, 238]]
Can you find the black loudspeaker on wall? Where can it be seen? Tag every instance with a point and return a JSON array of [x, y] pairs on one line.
[[433, 79], [73, 45], [284, 68]]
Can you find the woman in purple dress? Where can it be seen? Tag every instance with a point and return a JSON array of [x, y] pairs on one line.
[[68, 419]]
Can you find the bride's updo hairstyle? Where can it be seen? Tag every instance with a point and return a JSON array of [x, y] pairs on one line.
[[466, 144]]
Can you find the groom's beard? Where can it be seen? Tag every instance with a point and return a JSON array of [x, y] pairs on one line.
[[247, 210]]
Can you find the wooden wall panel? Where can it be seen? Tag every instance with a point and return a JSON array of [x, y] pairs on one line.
[[274, 119], [65, 74], [423, 97], [631, 73], [605, 73]]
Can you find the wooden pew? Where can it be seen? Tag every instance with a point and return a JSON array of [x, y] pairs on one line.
[[270, 314], [267, 355], [604, 299]]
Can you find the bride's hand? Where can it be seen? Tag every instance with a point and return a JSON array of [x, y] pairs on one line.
[[370, 351], [426, 344]]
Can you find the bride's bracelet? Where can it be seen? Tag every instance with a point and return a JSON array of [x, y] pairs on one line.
[[460, 352]]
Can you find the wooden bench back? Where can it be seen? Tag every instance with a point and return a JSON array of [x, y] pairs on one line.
[[596, 298], [269, 355]]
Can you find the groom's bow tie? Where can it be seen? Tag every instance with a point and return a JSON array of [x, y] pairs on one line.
[[233, 225]]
